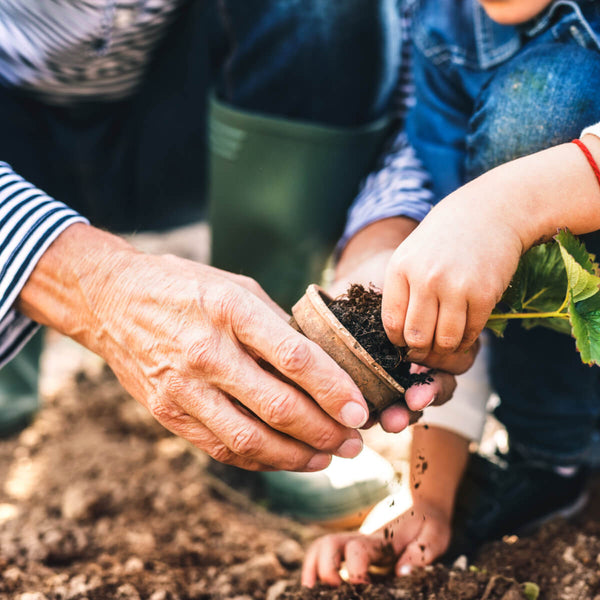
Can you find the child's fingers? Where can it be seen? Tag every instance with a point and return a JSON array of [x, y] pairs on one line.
[[432, 542], [450, 328], [456, 363], [360, 553], [393, 306], [323, 561], [477, 316], [308, 577], [420, 324], [394, 419], [438, 392]]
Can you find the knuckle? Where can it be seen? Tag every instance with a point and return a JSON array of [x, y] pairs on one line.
[[435, 279], [326, 439], [487, 297], [251, 285], [329, 390], [165, 412], [279, 410], [293, 354], [295, 460], [246, 441], [202, 353], [225, 303], [172, 385], [221, 453]]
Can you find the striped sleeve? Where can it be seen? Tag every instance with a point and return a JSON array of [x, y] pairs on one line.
[[30, 221], [399, 187]]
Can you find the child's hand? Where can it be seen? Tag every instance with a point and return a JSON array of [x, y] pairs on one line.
[[443, 281], [416, 538]]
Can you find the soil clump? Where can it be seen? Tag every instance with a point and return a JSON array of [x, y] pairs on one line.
[[359, 311]]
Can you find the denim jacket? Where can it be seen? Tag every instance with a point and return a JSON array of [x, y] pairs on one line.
[[457, 50]]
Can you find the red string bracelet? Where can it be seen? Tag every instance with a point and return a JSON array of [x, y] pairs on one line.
[[589, 157]]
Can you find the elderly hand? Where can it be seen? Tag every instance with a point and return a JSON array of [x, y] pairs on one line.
[[187, 341]]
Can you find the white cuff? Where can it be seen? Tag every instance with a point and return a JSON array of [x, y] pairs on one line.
[[593, 129]]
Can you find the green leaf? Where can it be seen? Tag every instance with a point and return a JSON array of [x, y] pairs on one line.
[[531, 590], [576, 248], [582, 280], [557, 285], [539, 284], [562, 325], [497, 326], [585, 321]]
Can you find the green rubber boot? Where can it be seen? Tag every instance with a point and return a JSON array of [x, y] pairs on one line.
[[19, 397], [279, 193]]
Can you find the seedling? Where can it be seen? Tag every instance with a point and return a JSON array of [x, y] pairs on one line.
[[557, 286]]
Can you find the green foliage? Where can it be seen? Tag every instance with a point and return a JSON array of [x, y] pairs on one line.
[[557, 286]]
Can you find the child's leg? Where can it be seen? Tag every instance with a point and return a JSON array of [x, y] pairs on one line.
[[543, 97]]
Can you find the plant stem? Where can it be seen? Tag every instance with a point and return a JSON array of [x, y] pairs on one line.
[[543, 315]]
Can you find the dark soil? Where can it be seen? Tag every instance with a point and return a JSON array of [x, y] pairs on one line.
[[359, 311], [98, 502]]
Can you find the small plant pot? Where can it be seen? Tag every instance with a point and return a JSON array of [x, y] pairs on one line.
[[314, 319]]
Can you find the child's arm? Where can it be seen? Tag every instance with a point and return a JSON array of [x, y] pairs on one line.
[[415, 538], [444, 280]]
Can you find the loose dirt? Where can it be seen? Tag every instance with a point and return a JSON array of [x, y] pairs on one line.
[[98, 502]]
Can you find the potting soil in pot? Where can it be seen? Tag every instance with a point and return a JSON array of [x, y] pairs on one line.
[[359, 311]]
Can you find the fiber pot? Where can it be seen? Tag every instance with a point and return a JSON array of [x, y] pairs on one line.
[[312, 317]]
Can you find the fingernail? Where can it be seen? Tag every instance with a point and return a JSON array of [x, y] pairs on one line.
[[350, 448], [354, 415], [405, 570], [318, 462], [433, 399], [414, 355]]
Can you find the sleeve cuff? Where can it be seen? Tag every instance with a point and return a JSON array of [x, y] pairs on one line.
[[30, 221], [592, 129], [399, 188]]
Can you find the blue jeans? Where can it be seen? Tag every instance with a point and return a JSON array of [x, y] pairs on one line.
[[517, 97], [116, 162]]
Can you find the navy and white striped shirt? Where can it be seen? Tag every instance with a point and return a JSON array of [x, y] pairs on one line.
[[67, 50]]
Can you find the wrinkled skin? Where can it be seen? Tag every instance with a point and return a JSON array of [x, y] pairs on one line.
[[184, 339]]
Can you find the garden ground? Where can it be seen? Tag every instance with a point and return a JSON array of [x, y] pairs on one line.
[[97, 501]]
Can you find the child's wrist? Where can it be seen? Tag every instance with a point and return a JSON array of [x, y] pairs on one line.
[[556, 189], [439, 506], [526, 223]]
